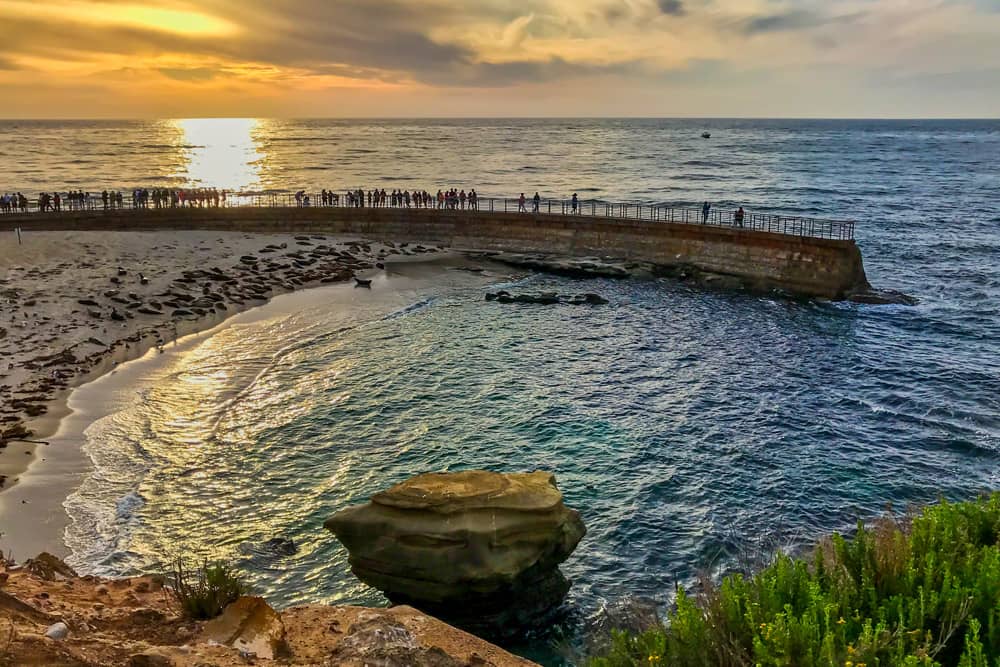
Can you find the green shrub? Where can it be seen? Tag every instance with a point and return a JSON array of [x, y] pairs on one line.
[[923, 592], [206, 593]]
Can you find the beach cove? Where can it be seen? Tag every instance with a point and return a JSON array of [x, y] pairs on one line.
[[685, 423], [59, 324]]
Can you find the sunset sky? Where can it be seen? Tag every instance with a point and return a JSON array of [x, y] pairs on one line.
[[354, 58]]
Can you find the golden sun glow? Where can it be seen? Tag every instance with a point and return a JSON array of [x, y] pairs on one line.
[[179, 21], [221, 152], [320, 58]]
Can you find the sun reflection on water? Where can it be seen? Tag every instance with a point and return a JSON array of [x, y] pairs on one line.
[[221, 152]]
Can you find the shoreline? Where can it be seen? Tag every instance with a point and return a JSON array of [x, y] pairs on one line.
[[47, 426], [35, 509], [34, 390]]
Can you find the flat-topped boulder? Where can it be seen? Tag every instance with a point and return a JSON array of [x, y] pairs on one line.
[[478, 548]]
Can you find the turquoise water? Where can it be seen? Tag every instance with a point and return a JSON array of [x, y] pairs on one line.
[[684, 424]]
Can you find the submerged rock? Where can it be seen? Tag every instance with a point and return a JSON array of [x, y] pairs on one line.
[[884, 297], [479, 549], [569, 267], [547, 299]]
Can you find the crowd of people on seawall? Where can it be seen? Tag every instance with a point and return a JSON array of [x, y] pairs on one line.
[[13, 203], [110, 200], [453, 199], [167, 198], [145, 198], [160, 198], [139, 198]]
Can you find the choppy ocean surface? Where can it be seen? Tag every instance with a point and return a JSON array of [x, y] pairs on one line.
[[683, 423]]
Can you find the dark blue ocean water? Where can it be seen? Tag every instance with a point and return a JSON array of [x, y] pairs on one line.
[[683, 423]]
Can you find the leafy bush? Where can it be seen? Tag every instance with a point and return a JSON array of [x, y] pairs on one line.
[[206, 596], [918, 593]]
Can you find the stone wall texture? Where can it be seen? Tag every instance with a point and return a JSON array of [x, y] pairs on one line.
[[806, 266]]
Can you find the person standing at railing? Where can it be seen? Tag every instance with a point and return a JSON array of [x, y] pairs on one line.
[[739, 216], [536, 202], [521, 208], [706, 208], [575, 203]]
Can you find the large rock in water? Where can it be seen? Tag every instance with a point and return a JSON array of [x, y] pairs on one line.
[[478, 549]]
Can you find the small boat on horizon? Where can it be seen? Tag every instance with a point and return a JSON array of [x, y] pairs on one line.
[[706, 135]]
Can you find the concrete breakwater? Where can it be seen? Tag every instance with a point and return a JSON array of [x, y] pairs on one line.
[[801, 265]]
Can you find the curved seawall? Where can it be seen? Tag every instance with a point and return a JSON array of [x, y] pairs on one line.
[[801, 265]]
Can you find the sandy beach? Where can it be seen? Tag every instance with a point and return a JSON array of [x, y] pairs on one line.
[[58, 380], [77, 304]]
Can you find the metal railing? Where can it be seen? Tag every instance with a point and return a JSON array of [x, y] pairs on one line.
[[584, 209]]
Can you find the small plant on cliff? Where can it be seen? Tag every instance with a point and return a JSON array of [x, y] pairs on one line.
[[920, 593], [205, 593]]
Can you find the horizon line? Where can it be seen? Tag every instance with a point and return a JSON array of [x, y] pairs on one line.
[[440, 118]]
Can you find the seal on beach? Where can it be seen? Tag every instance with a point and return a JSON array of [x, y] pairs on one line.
[[363, 283]]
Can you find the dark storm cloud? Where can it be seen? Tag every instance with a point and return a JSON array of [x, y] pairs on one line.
[[312, 34], [671, 7], [369, 39]]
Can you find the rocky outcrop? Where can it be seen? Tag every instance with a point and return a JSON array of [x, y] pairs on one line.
[[547, 299], [250, 626], [569, 267], [50, 617], [478, 549]]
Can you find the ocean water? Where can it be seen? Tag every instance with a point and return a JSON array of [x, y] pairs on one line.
[[684, 424]]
